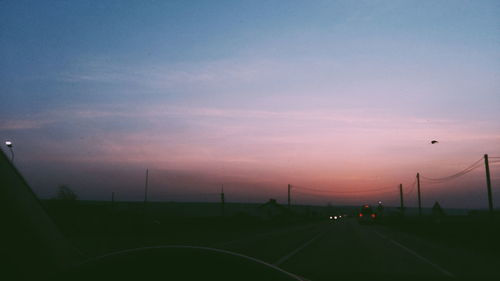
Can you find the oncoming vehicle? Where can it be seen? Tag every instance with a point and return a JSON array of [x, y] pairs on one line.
[[366, 214], [335, 217]]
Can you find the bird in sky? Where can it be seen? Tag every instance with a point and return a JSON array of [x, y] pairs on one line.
[[434, 142]]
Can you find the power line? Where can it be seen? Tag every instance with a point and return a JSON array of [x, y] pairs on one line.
[[344, 191], [467, 170], [308, 194], [341, 192], [412, 188], [324, 196]]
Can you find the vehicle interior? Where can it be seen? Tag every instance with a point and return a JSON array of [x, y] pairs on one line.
[[34, 249], [249, 140]]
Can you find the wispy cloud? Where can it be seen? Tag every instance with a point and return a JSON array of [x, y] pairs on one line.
[[152, 112], [23, 124], [171, 75]]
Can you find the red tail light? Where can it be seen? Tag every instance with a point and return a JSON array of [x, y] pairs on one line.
[[360, 215], [373, 216]]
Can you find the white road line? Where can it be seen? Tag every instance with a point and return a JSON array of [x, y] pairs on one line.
[[439, 268], [291, 254]]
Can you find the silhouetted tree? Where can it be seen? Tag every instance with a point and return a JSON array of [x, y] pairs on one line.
[[62, 207], [66, 194]]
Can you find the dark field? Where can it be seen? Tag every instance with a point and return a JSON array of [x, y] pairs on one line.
[[303, 241], [100, 227]]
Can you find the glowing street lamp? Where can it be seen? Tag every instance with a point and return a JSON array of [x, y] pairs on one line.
[[8, 143]]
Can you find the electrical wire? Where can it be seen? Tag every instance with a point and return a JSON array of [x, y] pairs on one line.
[[331, 196], [412, 188], [321, 193], [467, 170], [324, 191]]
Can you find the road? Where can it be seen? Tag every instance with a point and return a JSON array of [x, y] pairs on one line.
[[346, 250]]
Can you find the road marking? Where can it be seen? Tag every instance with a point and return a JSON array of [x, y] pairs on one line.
[[439, 268], [291, 254]]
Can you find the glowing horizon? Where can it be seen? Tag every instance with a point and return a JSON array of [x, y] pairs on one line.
[[343, 96]]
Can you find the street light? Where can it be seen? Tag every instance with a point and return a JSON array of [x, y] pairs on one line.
[[8, 143]]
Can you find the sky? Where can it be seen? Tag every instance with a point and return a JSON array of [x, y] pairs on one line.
[[340, 99]]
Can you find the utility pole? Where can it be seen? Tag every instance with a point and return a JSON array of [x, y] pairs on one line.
[[289, 186], [111, 223], [419, 198], [222, 200], [488, 183], [144, 207], [146, 188], [401, 197]]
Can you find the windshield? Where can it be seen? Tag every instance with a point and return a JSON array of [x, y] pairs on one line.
[[262, 128]]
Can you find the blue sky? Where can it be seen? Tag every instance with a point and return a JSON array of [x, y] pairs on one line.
[[267, 91], [349, 41]]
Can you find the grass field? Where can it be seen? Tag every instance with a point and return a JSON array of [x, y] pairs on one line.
[[97, 227]]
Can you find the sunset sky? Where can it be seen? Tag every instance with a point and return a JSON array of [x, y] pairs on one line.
[[340, 96]]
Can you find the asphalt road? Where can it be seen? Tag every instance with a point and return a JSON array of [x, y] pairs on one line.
[[346, 250]]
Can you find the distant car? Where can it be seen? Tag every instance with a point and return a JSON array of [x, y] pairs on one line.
[[335, 217], [366, 214]]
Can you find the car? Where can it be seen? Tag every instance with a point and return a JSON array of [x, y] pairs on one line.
[[335, 217], [366, 214]]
